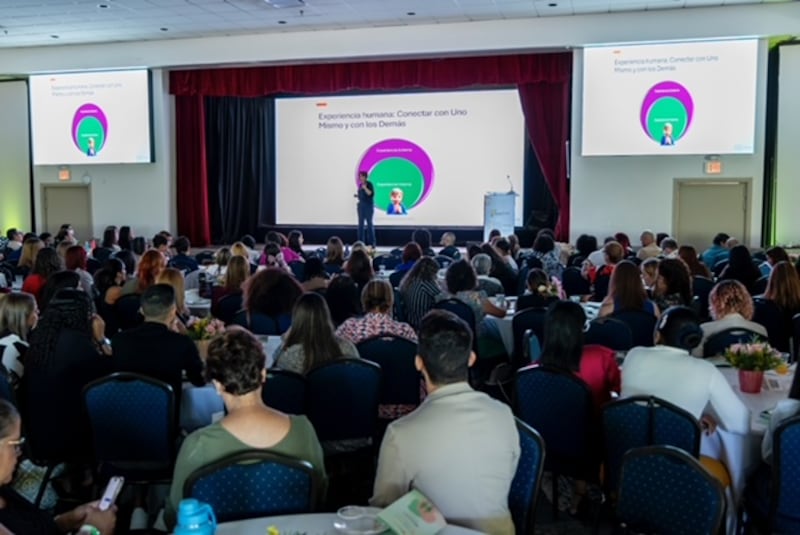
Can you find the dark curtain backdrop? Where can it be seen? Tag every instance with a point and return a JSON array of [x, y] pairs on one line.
[[240, 162], [543, 81]]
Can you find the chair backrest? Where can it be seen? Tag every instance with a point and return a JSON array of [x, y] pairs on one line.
[[462, 310], [546, 399], [719, 267], [285, 391], [132, 417], [396, 278], [443, 261], [298, 269], [93, 264], [759, 286], [395, 356], [609, 332], [600, 290], [529, 318], [527, 479], [183, 263], [256, 483], [665, 490], [770, 315], [717, 343], [532, 347], [701, 288], [389, 262], [640, 421], [257, 323], [785, 489], [574, 283], [343, 397], [641, 323], [127, 310], [228, 307], [204, 257]]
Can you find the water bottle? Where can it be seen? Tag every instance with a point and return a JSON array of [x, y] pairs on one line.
[[382, 271], [202, 285], [195, 518]]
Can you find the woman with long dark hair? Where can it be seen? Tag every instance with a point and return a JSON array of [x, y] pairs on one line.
[[311, 340], [359, 267], [673, 284], [125, 239], [688, 254], [419, 289], [741, 268], [47, 263], [626, 291]]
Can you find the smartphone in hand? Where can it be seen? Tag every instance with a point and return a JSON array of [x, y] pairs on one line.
[[110, 494]]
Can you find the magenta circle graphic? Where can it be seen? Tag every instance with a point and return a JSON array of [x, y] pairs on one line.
[[86, 112], [667, 89], [403, 149]]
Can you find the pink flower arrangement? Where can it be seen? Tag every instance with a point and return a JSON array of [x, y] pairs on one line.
[[755, 356], [204, 328]]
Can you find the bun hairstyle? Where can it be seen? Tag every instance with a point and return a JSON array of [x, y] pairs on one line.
[[679, 327]]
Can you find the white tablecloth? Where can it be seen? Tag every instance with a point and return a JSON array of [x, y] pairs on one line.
[[311, 524]]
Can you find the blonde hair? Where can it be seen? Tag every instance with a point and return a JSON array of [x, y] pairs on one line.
[[30, 249], [62, 247], [650, 266], [174, 277], [377, 295], [729, 297], [237, 272], [240, 249], [15, 309]]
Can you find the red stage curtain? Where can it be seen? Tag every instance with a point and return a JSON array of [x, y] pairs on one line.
[[194, 220], [543, 81]]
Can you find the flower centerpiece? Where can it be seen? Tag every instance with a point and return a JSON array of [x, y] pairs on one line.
[[752, 360], [202, 330]]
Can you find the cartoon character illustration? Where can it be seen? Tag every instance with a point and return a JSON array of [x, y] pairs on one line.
[[396, 206]]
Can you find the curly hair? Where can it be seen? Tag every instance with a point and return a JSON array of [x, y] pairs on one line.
[[729, 297], [70, 309], [271, 291], [236, 360]]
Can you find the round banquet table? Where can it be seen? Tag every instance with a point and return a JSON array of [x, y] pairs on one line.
[[310, 524]]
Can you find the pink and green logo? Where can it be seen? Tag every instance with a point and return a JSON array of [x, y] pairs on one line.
[[89, 129], [667, 112], [398, 164]]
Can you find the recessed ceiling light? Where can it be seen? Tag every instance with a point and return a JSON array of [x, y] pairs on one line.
[[164, 29], [103, 6], [410, 13], [552, 4], [281, 22], [54, 36]]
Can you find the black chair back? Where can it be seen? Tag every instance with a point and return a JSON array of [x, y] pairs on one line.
[[254, 484], [93, 264], [609, 332], [524, 490], [298, 269], [719, 267], [463, 311], [389, 262], [285, 391], [257, 323], [400, 379], [227, 307], [768, 314], [127, 310], [443, 261], [348, 387], [701, 288], [529, 318], [600, 290], [574, 283], [204, 257], [785, 488], [642, 325], [716, 344], [183, 263]]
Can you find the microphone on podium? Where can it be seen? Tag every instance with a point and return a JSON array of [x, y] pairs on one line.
[[511, 184]]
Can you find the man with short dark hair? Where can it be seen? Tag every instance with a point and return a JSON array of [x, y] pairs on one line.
[[717, 251], [161, 243], [448, 243], [460, 447], [182, 260], [153, 348]]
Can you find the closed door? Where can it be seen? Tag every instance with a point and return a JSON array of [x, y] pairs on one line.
[[703, 208], [67, 204]]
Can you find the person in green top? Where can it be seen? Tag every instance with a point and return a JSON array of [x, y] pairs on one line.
[[235, 365]]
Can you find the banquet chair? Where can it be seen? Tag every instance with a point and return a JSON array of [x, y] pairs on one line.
[[256, 483], [298, 270], [642, 325], [204, 258], [716, 344], [600, 290], [134, 426], [345, 386], [443, 261], [463, 311], [701, 288], [399, 311], [640, 421], [400, 379], [94, 264], [718, 268], [759, 286], [574, 283], [227, 307], [529, 318], [664, 490], [795, 337], [192, 280], [389, 262], [183, 263], [532, 347], [524, 492], [775, 509], [127, 310], [257, 323], [609, 332], [548, 398], [770, 316], [285, 391]]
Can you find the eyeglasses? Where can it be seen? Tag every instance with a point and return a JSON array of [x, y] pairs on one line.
[[17, 444]]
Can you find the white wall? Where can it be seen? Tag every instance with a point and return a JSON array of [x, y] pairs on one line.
[[15, 198], [628, 194], [787, 184], [139, 195]]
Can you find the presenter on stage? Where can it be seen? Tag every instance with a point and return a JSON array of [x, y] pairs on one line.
[[366, 208]]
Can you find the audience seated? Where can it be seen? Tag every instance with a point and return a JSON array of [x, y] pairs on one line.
[[27, 258], [584, 246], [462, 283], [774, 255], [422, 237], [154, 348], [625, 242], [68, 349], [151, 264], [740, 267], [419, 289], [783, 289], [785, 409], [613, 253], [138, 246], [235, 366], [250, 242], [129, 259], [47, 263], [669, 248], [503, 248], [482, 263], [271, 292], [359, 267], [315, 278], [237, 272], [501, 270], [221, 259], [448, 243], [182, 260], [649, 269], [343, 298], [13, 247], [311, 339], [731, 307], [56, 282], [125, 238], [161, 244], [717, 252], [66, 233], [544, 248], [174, 278], [377, 300], [673, 284], [18, 316], [541, 291], [649, 248], [75, 260], [457, 437], [108, 282], [17, 514], [334, 255], [296, 245], [688, 254], [626, 292]]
